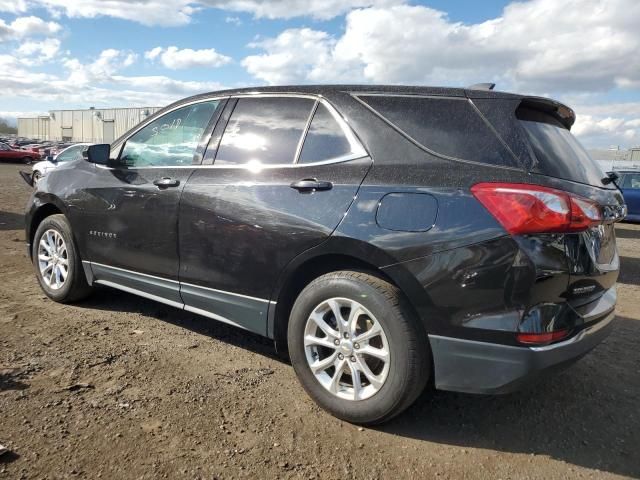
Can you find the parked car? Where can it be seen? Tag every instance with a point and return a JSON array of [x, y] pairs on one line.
[[629, 183], [386, 237], [12, 154], [51, 162], [20, 142]]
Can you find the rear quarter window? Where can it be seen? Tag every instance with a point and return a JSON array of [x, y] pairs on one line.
[[449, 127]]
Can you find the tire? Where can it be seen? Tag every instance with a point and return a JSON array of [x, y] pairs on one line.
[[36, 177], [55, 230], [27, 160], [395, 384]]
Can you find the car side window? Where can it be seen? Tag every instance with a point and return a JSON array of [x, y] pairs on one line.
[[264, 131], [170, 140], [4, 147], [632, 181], [71, 153], [326, 140]]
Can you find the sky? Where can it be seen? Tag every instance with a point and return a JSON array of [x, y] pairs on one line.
[[57, 54]]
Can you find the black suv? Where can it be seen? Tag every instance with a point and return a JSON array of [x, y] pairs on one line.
[[387, 237]]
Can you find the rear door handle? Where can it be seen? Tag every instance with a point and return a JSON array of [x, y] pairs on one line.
[[166, 182], [311, 185]]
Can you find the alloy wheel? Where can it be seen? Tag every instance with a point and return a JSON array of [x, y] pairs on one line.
[[53, 259], [346, 349]]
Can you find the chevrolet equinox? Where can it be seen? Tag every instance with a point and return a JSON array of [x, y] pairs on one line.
[[385, 237]]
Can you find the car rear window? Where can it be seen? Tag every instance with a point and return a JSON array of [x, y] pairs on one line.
[[558, 152], [446, 126]]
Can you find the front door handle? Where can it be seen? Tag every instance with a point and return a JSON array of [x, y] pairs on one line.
[[309, 185], [166, 182]]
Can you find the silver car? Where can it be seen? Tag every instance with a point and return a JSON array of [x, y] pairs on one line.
[[74, 152]]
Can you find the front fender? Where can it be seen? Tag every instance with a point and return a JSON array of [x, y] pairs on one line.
[[41, 205]]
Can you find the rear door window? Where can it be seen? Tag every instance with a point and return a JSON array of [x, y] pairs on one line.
[[446, 126], [264, 131], [558, 152]]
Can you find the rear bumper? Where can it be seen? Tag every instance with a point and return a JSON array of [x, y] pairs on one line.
[[478, 367]]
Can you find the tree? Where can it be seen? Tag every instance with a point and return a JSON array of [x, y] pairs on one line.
[[5, 127]]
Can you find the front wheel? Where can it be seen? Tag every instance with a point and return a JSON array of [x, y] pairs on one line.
[[36, 177], [357, 347], [57, 262]]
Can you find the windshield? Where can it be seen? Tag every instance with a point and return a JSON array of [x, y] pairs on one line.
[[71, 153], [558, 152]]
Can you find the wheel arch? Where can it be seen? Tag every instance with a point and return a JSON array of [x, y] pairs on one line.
[[45, 208], [352, 255]]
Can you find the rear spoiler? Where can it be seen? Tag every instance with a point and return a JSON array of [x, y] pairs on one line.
[[565, 115], [561, 112]]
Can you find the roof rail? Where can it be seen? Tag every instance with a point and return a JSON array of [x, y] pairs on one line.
[[482, 86]]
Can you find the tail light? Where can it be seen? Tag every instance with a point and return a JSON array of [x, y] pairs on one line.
[[524, 209], [541, 338]]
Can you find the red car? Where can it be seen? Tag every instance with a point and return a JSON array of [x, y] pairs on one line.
[[23, 156]]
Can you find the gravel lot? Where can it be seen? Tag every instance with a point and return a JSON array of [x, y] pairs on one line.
[[172, 395]]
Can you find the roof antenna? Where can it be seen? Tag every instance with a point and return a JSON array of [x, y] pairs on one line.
[[482, 86]]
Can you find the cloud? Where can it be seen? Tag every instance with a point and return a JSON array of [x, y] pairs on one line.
[[13, 6], [102, 69], [318, 9], [608, 124], [40, 51], [98, 82], [23, 27], [522, 49], [177, 59], [146, 12], [181, 12], [234, 20], [295, 55]]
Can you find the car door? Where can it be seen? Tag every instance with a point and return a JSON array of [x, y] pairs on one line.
[[271, 194], [4, 151], [127, 214], [630, 186], [8, 153]]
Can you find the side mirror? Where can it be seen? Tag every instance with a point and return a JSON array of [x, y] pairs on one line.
[[50, 158], [98, 154]]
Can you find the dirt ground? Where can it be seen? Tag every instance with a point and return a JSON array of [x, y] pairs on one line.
[[172, 395]]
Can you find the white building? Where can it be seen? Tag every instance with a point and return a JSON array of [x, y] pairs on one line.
[[96, 125]]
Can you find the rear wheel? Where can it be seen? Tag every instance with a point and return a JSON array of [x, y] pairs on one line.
[[57, 263], [357, 348]]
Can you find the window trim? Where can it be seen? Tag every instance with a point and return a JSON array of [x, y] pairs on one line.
[[361, 151], [346, 129], [305, 132]]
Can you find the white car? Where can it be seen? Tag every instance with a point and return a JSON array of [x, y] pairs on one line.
[[73, 152]]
